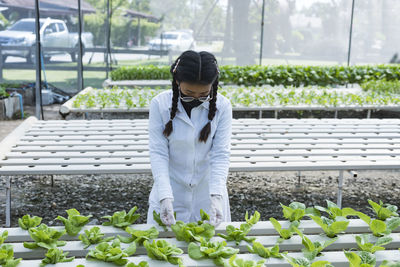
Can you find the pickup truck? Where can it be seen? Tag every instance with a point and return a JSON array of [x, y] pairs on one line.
[[53, 33]]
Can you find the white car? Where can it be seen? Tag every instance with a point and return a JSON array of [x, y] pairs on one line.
[[53, 33], [173, 41]]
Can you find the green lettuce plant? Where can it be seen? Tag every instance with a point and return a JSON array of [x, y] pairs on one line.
[[378, 227], [296, 211], [390, 264], [383, 211], [163, 251], [45, 237], [55, 255], [284, 233], [112, 252], [121, 219], [304, 262], [217, 251], [360, 259], [7, 256], [365, 244], [260, 250], [139, 236], [3, 237], [93, 236], [157, 219], [193, 231], [75, 221], [27, 221], [311, 249], [331, 227], [140, 264], [239, 234], [334, 211], [237, 262]]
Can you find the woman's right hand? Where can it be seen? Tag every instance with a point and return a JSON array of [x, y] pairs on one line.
[[167, 212]]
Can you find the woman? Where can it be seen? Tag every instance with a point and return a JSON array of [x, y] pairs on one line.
[[189, 143]]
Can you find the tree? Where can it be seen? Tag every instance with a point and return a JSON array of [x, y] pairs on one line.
[[243, 44]]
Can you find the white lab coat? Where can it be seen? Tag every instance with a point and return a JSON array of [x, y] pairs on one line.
[[184, 168]]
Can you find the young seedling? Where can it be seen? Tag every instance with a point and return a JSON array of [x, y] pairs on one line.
[[93, 236], [311, 249], [383, 211], [140, 264], [3, 237], [260, 250], [157, 219], [204, 216], [363, 242], [378, 227], [217, 251], [163, 251], [239, 234], [74, 222], [296, 211], [27, 222], [331, 227], [45, 237], [386, 263], [112, 253], [236, 262], [7, 256], [121, 219], [253, 219], [360, 259], [284, 233], [55, 255], [334, 211], [139, 236], [303, 262]]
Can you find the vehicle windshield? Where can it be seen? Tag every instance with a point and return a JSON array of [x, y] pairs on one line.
[[169, 36], [24, 26]]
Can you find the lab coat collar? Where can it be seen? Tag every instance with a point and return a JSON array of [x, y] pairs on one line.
[[181, 113]]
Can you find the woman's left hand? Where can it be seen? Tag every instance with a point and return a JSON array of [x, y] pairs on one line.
[[216, 215]]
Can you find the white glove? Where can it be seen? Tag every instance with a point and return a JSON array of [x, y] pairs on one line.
[[216, 214], [167, 212]]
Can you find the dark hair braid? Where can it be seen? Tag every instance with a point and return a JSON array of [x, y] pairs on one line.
[[175, 95], [205, 132]]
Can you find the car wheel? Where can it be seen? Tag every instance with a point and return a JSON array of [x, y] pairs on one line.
[[74, 55], [3, 58], [31, 57], [47, 59]]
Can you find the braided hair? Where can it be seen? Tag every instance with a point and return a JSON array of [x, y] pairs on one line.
[[197, 68]]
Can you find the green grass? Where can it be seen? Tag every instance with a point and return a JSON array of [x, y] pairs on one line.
[[66, 80]]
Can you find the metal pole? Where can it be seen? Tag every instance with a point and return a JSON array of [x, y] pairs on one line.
[[262, 32], [351, 33], [108, 38], [80, 66], [340, 186], [8, 201], [38, 93], [1, 64]]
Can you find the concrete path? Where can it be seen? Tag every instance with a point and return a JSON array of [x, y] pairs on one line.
[[50, 113]]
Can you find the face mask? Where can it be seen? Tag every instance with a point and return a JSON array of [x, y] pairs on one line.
[[191, 104]]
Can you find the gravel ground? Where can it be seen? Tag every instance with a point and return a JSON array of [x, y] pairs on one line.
[[101, 195]]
